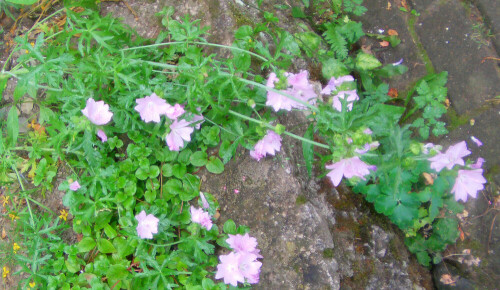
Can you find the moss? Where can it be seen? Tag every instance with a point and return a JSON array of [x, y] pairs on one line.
[[301, 199], [328, 253], [239, 17], [420, 48], [456, 120]]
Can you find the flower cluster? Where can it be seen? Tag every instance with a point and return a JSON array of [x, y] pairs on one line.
[[298, 87], [349, 96], [240, 265], [150, 109], [468, 181], [270, 144]]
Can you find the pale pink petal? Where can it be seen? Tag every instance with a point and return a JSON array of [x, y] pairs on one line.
[[74, 186], [102, 136], [97, 112], [147, 225]]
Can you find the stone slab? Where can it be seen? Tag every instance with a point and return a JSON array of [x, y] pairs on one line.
[[446, 34], [490, 10]]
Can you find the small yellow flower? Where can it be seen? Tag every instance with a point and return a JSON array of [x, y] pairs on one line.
[[5, 200], [64, 214], [32, 284], [15, 247], [13, 216], [5, 272]]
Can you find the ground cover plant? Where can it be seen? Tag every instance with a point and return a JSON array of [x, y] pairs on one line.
[[131, 121]]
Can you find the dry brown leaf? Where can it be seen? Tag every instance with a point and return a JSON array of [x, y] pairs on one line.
[[367, 49], [447, 103], [405, 5], [389, 5], [392, 32], [447, 280], [384, 43], [4, 234], [462, 235], [429, 180], [393, 93]]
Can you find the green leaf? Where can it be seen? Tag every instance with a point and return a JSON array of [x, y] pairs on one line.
[[23, 2], [167, 170], [117, 272], [308, 149], [178, 170], [333, 67], [243, 31], [215, 165], [104, 246], [365, 61], [13, 125], [385, 204], [199, 158], [3, 85], [297, 12], [174, 186], [86, 244], [227, 150], [150, 195], [109, 231], [423, 258], [229, 227], [72, 264], [404, 216]]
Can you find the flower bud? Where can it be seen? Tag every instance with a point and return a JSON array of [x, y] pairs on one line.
[[280, 129]]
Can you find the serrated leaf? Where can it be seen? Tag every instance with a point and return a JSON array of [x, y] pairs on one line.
[[215, 165], [86, 244], [104, 246], [229, 227], [365, 61], [199, 158]]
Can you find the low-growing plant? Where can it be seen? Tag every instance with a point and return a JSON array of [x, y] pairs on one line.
[[131, 121]]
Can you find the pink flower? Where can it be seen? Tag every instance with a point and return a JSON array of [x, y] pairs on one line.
[[398, 62], [367, 147], [368, 131], [147, 225], [201, 217], [334, 83], [235, 267], [249, 267], [228, 269], [299, 87], [204, 200], [180, 131], [173, 112], [468, 182], [477, 141], [451, 157], [197, 119], [151, 107], [270, 144], [97, 112], [478, 164], [351, 97], [74, 186], [102, 136], [242, 243], [236, 191], [348, 168]]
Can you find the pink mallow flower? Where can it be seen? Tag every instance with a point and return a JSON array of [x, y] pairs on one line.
[[348, 168], [270, 144], [173, 112], [450, 158], [204, 200], [97, 112], [102, 136], [147, 225], [334, 83], [351, 97], [236, 267], [242, 243], [151, 108], [74, 186], [299, 87], [468, 182], [201, 217], [180, 131]]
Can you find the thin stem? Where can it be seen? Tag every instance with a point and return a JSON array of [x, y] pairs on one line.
[[311, 107], [200, 43], [163, 245], [25, 148], [32, 221], [273, 128]]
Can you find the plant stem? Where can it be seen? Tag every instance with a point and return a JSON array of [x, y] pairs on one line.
[[32, 221], [273, 128], [25, 148], [200, 43]]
